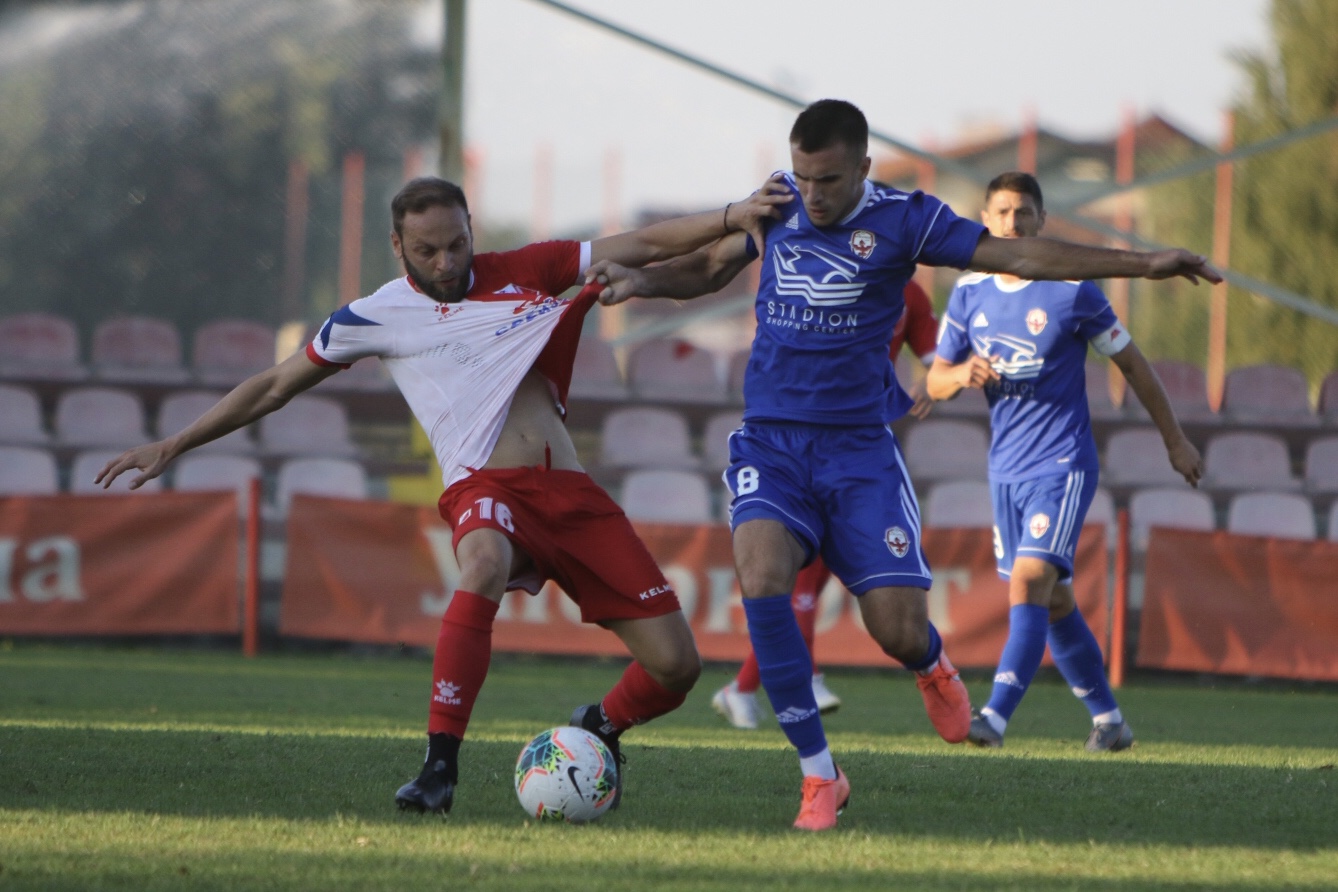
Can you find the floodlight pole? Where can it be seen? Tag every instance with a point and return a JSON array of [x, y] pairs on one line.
[[451, 103]]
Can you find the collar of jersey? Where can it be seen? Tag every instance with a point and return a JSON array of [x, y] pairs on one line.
[[1010, 287], [859, 205]]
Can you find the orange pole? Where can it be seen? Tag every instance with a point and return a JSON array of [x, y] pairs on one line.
[[251, 584], [350, 229], [1120, 613], [1217, 308], [1026, 143]]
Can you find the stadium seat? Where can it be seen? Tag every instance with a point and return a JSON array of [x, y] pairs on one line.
[[100, 416], [25, 471], [646, 437], [943, 449], [1333, 523], [1135, 458], [308, 425], [85, 469], [1267, 394], [736, 368], [1181, 509], [183, 407], [138, 348], [226, 352], [21, 416], [1328, 398], [960, 503], [1246, 460], [1278, 515], [666, 497], [334, 477], [970, 402], [1102, 512], [673, 371], [40, 345], [1098, 392], [1321, 465], [595, 374], [1186, 388], [203, 473], [715, 439]]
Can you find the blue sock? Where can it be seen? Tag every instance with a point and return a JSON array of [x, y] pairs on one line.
[[1020, 659], [931, 656], [1075, 651], [786, 669]]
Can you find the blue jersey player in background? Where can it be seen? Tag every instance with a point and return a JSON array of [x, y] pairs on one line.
[[815, 468], [1025, 342]]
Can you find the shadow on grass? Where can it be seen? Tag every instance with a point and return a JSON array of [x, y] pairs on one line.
[[952, 797]]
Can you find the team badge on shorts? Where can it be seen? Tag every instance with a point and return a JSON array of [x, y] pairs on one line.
[[862, 243], [897, 541], [1038, 524], [1036, 320]]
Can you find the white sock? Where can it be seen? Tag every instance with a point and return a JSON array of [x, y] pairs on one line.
[[1114, 717], [820, 765], [997, 722]]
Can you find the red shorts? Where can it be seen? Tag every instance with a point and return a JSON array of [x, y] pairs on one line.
[[575, 534]]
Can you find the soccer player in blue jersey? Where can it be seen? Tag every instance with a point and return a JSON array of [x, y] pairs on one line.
[[815, 468], [1025, 343]]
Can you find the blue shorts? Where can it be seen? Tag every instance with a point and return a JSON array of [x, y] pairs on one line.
[[1041, 518], [842, 492]]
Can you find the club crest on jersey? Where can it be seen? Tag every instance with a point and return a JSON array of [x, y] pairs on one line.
[[862, 243], [1038, 524], [1036, 320], [897, 541]]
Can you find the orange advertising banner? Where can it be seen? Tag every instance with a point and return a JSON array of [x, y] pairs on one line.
[[1240, 605], [141, 564], [380, 572]]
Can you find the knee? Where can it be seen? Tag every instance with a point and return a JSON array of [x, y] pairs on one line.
[[904, 641], [759, 579], [677, 671]]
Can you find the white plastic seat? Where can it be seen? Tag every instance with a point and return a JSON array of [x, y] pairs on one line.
[[226, 352], [1333, 522], [138, 348], [646, 437], [85, 469], [308, 425], [1136, 457], [959, 503], [1099, 403], [666, 497], [100, 416], [180, 409], [21, 416], [1186, 388], [943, 449], [1182, 509], [332, 477], [204, 473], [40, 345], [715, 439], [1321, 465], [595, 374], [1246, 460], [736, 367], [26, 471], [1278, 515], [1268, 394], [675, 371], [1102, 512], [1328, 398]]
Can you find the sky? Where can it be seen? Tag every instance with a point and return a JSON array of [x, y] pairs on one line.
[[541, 83]]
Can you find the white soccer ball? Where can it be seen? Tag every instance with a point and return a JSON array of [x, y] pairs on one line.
[[566, 773]]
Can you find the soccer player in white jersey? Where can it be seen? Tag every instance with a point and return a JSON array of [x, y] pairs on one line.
[[482, 349], [1025, 343], [815, 469]]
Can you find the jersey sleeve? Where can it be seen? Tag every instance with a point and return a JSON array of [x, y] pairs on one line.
[[938, 237], [954, 345], [1097, 323], [921, 326], [347, 337], [550, 267]]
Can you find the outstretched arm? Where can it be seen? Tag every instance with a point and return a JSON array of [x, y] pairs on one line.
[[1045, 258], [702, 272], [1147, 386], [254, 398], [672, 238]]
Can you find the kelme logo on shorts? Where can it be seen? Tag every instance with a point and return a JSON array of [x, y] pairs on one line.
[[897, 541]]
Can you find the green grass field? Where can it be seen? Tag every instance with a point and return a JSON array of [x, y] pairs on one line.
[[168, 769]]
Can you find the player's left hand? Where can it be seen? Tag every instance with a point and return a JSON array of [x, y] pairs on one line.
[[765, 203], [1186, 461], [1179, 262], [620, 282]]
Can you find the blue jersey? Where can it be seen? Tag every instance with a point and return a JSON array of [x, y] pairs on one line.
[[1036, 336], [830, 298]]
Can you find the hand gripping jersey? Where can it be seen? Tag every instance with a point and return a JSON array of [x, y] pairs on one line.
[[830, 298], [458, 365], [1036, 336]]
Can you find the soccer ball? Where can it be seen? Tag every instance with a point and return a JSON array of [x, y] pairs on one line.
[[567, 773]]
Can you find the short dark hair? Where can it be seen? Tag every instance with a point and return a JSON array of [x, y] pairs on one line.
[[1016, 181], [828, 122], [422, 193]]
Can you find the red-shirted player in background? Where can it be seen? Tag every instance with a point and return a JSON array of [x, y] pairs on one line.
[[737, 701]]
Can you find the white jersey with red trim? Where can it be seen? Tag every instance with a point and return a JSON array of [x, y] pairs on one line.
[[459, 364]]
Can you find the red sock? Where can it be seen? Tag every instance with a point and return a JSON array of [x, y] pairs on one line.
[[807, 589], [638, 698], [749, 679], [464, 650]]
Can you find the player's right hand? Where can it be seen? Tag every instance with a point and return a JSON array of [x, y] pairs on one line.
[[620, 281], [977, 371], [765, 203], [151, 459]]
